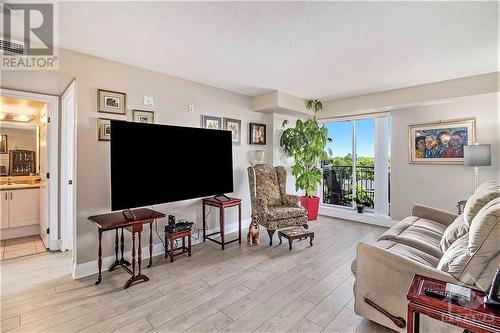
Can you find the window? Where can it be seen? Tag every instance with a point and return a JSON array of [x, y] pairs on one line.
[[359, 164]]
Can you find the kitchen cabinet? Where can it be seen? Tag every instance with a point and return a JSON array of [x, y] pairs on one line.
[[20, 208]]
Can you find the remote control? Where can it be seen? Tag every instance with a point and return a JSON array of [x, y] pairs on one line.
[[443, 295]]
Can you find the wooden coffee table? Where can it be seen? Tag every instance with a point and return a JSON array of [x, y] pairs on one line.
[[295, 233]]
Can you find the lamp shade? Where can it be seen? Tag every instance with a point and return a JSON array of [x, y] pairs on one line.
[[477, 155]]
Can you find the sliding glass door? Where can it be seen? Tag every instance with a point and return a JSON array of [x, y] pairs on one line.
[[358, 166]]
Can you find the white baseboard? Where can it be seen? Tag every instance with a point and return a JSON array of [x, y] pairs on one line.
[[90, 267], [29, 230], [348, 214]]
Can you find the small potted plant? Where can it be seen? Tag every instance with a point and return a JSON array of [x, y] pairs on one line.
[[362, 199]]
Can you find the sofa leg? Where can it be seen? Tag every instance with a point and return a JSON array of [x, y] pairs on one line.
[[271, 233]]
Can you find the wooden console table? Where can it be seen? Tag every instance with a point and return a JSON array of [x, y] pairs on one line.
[[115, 221], [222, 205], [471, 315]]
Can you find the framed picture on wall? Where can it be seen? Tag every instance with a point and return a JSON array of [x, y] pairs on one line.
[[234, 126], [141, 116], [257, 134], [211, 122], [111, 101], [3, 144], [440, 143], [104, 129]]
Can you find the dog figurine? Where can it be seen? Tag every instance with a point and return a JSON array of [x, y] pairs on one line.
[[253, 236]]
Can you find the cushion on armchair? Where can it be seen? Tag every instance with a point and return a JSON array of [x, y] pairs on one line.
[[468, 258]]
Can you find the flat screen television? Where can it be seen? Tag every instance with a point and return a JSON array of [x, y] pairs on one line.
[[154, 164]]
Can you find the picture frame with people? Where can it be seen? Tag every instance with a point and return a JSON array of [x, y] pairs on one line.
[[440, 143]]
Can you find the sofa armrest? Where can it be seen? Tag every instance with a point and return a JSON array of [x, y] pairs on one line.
[[434, 214], [384, 277], [291, 200]]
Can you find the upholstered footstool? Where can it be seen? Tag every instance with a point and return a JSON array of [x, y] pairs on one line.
[[295, 233]]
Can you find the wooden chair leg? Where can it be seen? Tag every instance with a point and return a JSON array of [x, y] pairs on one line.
[[271, 233]]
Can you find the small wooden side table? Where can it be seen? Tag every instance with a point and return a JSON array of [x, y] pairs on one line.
[[222, 205], [171, 237], [115, 221], [472, 315]]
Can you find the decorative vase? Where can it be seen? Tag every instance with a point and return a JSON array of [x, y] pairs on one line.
[[312, 207], [360, 209]]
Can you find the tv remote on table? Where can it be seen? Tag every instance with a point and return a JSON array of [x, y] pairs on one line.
[[443, 295]]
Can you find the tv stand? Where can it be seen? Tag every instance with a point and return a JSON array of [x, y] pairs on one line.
[[129, 215], [222, 197]]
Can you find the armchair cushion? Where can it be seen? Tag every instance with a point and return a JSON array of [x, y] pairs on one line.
[[453, 232], [483, 194], [267, 185], [284, 212], [290, 200]]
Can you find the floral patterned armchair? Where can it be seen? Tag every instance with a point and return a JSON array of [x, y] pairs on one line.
[[274, 207]]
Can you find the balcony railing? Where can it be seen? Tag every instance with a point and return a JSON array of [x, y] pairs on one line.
[[337, 183]]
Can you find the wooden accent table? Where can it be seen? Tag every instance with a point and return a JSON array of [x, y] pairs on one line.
[[232, 202], [472, 315], [171, 237], [115, 221], [295, 233]]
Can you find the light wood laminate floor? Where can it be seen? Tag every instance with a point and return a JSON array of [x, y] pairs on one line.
[[240, 289]]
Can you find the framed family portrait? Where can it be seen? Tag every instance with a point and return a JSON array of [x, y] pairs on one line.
[[257, 134], [145, 117], [234, 126], [211, 122], [440, 143], [111, 101], [104, 129], [3, 144]]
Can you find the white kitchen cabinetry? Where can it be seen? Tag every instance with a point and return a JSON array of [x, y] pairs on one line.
[[20, 208]]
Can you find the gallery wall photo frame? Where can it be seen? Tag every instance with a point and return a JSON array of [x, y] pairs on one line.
[[109, 101], [234, 126], [211, 122], [143, 116], [257, 134], [3, 144], [103, 129], [440, 142]]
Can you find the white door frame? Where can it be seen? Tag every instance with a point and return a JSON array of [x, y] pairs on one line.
[[68, 168], [53, 150]]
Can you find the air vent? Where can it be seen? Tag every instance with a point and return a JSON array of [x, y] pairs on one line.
[[11, 47]]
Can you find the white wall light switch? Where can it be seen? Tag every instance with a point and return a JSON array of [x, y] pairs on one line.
[[191, 108], [148, 100]]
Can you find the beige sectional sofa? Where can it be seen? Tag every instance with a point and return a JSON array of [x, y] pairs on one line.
[[462, 249]]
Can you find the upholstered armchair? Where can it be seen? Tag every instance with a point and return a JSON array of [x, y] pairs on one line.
[[274, 207]]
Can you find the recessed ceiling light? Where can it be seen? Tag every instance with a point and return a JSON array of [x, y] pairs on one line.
[[24, 118]]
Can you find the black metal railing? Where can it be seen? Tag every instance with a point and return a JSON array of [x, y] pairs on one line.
[[337, 183]]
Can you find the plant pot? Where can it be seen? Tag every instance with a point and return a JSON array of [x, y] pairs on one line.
[[312, 206], [360, 209]]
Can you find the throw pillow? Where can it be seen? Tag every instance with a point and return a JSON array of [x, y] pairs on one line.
[[484, 194]]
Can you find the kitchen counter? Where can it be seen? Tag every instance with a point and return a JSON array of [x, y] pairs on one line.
[[19, 186]]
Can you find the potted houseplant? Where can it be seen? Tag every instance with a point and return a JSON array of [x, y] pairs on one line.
[[362, 199], [306, 143]]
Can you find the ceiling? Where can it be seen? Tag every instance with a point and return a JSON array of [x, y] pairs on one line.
[[20, 106], [310, 49]]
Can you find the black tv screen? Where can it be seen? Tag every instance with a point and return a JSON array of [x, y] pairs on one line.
[[154, 164]]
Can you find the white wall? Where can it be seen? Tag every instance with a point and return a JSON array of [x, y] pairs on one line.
[[440, 185]]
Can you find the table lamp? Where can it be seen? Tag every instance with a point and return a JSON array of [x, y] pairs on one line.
[[477, 155]]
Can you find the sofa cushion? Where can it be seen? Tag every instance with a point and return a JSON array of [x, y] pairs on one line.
[[468, 257], [284, 212], [453, 232], [483, 194], [409, 252], [422, 234], [267, 185]]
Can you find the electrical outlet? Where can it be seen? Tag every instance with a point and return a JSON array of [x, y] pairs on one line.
[[190, 108], [148, 101]]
